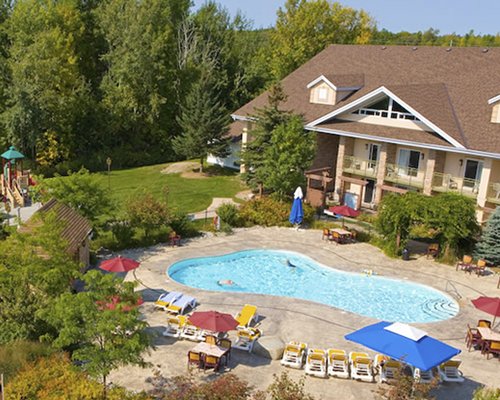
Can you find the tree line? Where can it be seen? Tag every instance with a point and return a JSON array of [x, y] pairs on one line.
[[148, 81]]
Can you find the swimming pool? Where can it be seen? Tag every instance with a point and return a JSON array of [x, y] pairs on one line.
[[269, 272]]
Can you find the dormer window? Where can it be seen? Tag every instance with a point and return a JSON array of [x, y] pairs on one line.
[[332, 89], [495, 112], [323, 94]]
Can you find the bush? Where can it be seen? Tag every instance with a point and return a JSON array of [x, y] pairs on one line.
[[485, 393], [183, 226], [229, 214], [123, 232], [265, 211], [18, 354]]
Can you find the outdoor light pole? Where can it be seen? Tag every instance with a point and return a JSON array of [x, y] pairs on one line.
[[1, 388], [108, 163]]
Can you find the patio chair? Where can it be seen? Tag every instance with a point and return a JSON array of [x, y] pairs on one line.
[[465, 264], [316, 363], [432, 250], [354, 236], [226, 344], [294, 355], [194, 359], [484, 323], [174, 239], [246, 338], [210, 339], [165, 299], [175, 326], [361, 366], [179, 305], [211, 362], [337, 238], [326, 234], [491, 347], [449, 371], [246, 316], [480, 268], [472, 338], [338, 364]]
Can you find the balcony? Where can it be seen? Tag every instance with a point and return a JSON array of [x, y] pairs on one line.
[[448, 183], [359, 166], [493, 194], [404, 176]]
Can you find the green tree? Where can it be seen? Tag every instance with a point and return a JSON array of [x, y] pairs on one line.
[[266, 120], [79, 190], [286, 158], [488, 247], [103, 338], [35, 269], [304, 28], [204, 122], [147, 213]]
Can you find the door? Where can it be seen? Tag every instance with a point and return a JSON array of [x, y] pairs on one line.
[[369, 191], [373, 154], [472, 173], [408, 162]]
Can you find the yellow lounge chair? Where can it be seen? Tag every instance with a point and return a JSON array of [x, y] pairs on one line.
[[294, 354], [191, 332], [361, 366], [449, 371], [246, 316], [246, 338], [338, 364], [175, 326], [316, 363], [166, 299]]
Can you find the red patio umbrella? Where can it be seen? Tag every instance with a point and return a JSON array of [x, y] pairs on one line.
[[115, 300], [345, 211], [491, 305], [119, 264], [213, 321]]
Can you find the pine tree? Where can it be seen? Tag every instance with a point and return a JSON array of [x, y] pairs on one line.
[[488, 248]]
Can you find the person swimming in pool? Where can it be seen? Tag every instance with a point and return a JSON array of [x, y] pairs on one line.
[[290, 264], [225, 282]]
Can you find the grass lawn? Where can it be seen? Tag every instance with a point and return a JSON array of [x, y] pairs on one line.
[[185, 195]]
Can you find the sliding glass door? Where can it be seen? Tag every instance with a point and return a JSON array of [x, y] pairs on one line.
[[408, 162]]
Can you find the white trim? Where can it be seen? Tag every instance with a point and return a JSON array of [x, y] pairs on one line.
[[329, 83], [405, 142], [242, 118], [387, 92], [494, 99]]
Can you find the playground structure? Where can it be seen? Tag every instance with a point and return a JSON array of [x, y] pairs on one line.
[[15, 181]]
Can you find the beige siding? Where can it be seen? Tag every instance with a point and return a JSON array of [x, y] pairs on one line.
[[317, 90]]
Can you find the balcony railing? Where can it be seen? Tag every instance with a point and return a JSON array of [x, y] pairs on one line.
[[359, 166], [494, 192], [405, 176], [386, 114], [449, 183]]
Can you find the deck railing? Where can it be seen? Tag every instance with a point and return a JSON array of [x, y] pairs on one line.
[[360, 166], [403, 175], [449, 183], [493, 194]]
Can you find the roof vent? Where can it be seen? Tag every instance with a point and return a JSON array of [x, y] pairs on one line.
[[414, 48], [485, 50], [448, 49]]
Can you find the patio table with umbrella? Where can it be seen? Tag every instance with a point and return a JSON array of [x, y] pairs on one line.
[[119, 264], [213, 321], [490, 305], [345, 211], [405, 343]]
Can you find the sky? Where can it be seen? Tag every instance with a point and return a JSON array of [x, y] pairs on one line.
[[459, 16]]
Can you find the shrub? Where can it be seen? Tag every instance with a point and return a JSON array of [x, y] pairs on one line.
[[229, 214], [16, 355], [123, 232], [265, 211], [485, 393], [147, 213], [181, 224]]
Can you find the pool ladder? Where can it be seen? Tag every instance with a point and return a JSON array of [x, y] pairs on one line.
[[452, 290]]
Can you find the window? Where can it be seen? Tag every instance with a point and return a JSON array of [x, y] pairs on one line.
[[472, 173], [408, 162], [373, 152], [386, 108], [323, 94]]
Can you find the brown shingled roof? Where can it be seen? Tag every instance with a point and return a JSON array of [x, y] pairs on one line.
[[450, 88], [75, 227]]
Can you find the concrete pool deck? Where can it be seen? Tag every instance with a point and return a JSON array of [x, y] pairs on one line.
[[294, 319]]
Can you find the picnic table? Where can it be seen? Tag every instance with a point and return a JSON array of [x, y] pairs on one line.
[[343, 235], [488, 334]]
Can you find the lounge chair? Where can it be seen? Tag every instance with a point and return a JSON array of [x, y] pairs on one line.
[[246, 338], [316, 362], [175, 326], [190, 332], [449, 371], [294, 355], [361, 366], [179, 305], [388, 369], [165, 299], [338, 364], [428, 376], [246, 316]]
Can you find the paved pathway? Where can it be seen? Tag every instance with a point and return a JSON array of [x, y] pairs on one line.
[[294, 319], [212, 208]]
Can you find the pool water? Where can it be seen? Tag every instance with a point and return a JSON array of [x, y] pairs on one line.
[[283, 273]]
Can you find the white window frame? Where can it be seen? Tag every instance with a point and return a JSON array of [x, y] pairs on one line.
[[400, 167]]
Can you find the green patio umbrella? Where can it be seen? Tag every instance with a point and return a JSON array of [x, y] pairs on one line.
[[12, 154]]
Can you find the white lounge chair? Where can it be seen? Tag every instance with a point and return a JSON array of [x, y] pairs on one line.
[[246, 316], [165, 299], [449, 372], [246, 338], [338, 364], [179, 305], [361, 366], [175, 326], [190, 332], [316, 363], [294, 355], [388, 368], [428, 376]]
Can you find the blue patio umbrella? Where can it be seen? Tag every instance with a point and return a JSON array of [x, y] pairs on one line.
[[405, 343], [297, 213]]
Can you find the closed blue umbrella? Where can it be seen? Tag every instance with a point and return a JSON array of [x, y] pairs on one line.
[[297, 213], [405, 343]]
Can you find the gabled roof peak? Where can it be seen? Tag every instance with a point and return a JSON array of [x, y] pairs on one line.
[[340, 82]]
